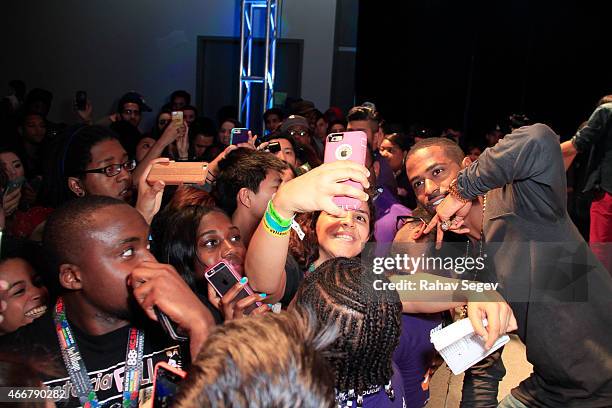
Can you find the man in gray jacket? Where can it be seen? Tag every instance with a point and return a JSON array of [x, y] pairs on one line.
[[514, 199]]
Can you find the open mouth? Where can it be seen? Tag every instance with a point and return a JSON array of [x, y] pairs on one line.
[[436, 201], [36, 312], [344, 236]]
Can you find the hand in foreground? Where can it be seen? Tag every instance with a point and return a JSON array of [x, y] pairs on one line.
[[159, 285], [150, 194], [500, 320], [232, 308], [451, 212], [315, 190]]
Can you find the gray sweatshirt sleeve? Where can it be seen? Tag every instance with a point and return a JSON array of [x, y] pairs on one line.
[[526, 153]]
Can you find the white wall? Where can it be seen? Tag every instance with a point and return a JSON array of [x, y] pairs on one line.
[[112, 46]]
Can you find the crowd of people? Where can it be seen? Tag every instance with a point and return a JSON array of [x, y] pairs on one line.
[[95, 257]]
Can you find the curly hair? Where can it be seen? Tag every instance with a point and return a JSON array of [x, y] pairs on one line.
[[342, 290]]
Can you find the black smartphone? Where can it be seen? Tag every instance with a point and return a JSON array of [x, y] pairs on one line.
[[274, 147], [165, 384], [80, 100], [168, 325], [222, 278]]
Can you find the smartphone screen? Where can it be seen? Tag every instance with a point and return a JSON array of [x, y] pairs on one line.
[[166, 386], [223, 278], [239, 135]]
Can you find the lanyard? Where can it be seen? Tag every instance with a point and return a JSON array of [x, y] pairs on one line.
[[78, 372]]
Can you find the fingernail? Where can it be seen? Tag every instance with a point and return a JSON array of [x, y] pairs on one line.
[[270, 305], [262, 295], [244, 280]]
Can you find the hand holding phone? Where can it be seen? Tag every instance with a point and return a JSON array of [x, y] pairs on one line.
[[239, 135], [273, 147], [175, 173], [159, 286], [347, 146], [177, 117], [236, 295], [169, 326]]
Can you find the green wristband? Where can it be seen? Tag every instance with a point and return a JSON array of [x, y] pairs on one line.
[[283, 222]]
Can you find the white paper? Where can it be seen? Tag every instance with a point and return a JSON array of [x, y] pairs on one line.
[[460, 347]]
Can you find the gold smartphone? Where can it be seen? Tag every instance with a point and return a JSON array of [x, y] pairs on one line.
[[177, 116]]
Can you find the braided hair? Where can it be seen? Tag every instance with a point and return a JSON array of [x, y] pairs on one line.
[[342, 290]]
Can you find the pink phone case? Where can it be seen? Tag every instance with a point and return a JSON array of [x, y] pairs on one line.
[[347, 146]]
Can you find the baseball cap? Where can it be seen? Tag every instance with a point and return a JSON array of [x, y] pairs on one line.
[[133, 97], [293, 120]]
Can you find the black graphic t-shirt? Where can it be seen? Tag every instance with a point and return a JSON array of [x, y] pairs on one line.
[[104, 357]]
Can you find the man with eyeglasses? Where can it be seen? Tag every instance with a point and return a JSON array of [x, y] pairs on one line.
[[130, 108], [297, 127]]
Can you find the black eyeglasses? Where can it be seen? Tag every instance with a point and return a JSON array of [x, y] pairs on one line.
[[113, 169], [404, 219], [131, 112]]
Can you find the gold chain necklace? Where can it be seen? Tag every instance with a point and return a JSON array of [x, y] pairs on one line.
[[463, 309]]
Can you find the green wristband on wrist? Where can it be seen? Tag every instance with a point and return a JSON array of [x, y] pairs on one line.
[[283, 222]]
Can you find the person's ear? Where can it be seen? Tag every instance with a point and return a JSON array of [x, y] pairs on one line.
[[70, 277], [244, 197], [466, 162], [74, 184]]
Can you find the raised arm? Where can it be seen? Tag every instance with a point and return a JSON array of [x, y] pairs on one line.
[[313, 191], [531, 152], [172, 132]]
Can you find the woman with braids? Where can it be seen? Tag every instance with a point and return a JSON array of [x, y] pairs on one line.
[[330, 232], [341, 291], [194, 237]]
